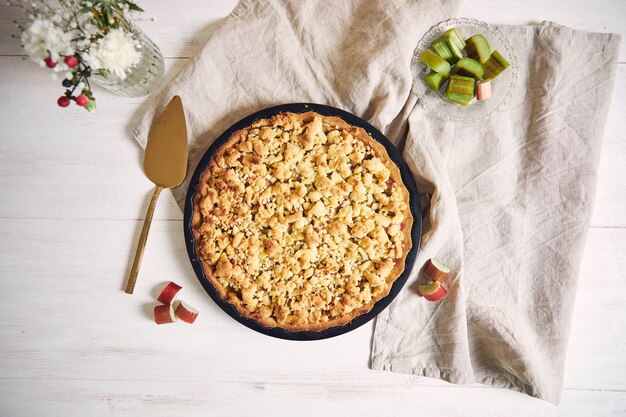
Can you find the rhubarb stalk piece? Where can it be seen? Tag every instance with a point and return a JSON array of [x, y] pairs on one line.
[[433, 291], [441, 48], [460, 89], [169, 293], [435, 62], [495, 65], [469, 67], [455, 42], [483, 90], [436, 271], [477, 48], [185, 312], [164, 314], [435, 80]]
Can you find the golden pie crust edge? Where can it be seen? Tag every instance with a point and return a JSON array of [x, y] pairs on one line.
[[380, 151]]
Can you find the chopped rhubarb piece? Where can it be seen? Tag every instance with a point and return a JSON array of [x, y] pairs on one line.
[[164, 314], [433, 291], [440, 46], [470, 68], [435, 62], [455, 42], [185, 312], [169, 293], [483, 90], [495, 65], [460, 89], [477, 48], [435, 271], [435, 80]]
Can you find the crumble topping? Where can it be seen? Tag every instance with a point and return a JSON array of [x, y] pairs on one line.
[[300, 222]]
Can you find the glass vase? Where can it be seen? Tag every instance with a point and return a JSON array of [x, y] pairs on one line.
[[143, 77]]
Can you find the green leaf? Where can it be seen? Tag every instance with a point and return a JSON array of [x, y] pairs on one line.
[[134, 7], [91, 106]]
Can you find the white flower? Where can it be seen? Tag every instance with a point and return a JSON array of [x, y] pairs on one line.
[[115, 52], [42, 38]]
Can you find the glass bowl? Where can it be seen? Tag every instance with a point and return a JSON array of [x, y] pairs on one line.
[[502, 86]]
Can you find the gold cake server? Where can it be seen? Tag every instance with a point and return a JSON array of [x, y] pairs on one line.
[[165, 164]]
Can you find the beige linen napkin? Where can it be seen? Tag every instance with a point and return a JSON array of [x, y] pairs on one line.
[[511, 197], [512, 201]]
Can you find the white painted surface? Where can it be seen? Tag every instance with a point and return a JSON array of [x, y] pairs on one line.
[[73, 196]]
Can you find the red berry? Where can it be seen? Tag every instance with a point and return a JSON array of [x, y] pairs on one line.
[[63, 101], [50, 63], [71, 61], [82, 100]]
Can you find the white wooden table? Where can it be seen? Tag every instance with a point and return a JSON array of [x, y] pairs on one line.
[[73, 196]]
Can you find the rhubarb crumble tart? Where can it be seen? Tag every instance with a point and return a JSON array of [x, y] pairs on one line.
[[302, 221]]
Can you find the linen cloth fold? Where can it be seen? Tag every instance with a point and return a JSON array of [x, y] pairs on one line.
[[511, 207], [511, 195]]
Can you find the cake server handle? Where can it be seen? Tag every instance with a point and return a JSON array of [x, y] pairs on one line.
[[134, 271]]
